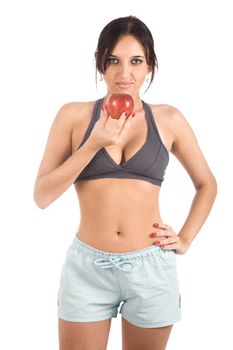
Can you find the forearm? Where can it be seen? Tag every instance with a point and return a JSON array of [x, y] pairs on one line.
[[52, 185], [199, 211]]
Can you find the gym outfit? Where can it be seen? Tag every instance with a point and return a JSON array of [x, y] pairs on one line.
[[148, 163], [94, 283], [142, 283]]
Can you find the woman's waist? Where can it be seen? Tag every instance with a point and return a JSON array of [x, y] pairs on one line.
[[117, 242], [118, 220], [120, 235]]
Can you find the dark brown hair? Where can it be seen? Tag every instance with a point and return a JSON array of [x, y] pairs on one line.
[[118, 27]]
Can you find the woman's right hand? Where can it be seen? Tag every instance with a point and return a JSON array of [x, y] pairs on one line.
[[109, 131]]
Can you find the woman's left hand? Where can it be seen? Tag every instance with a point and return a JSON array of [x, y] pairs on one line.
[[165, 237]]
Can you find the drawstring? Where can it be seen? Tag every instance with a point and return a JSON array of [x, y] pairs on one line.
[[114, 261]]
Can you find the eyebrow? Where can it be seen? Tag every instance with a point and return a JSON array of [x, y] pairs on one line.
[[135, 56]]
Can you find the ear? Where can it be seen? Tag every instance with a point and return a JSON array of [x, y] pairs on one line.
[[96, 54], [149, 69]]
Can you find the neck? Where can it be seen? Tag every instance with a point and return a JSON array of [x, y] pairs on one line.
[[138, 106]]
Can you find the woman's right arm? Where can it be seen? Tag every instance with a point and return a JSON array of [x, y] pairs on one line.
[[59, 167]]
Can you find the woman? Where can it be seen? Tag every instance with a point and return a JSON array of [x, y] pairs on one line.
[[122, 251]]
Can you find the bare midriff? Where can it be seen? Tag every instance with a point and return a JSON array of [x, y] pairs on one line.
[[116, 215]]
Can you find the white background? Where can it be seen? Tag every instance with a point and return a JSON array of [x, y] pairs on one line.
[[47, 50]]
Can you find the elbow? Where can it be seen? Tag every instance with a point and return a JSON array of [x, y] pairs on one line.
[[213, 186], [40, 203], [40, 200], [210, 185]]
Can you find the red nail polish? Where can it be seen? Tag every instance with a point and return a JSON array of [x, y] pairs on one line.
[[156, 225], [162, 245], [157, 242], [153, 234]]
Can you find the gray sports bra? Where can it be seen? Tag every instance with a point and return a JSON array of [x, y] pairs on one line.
[[148, 163]]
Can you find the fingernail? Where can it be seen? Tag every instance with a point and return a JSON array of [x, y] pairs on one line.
[[153, 234], [157, 242], [156, 225], [162, 245]]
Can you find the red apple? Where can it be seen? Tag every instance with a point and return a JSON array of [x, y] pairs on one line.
[[116, 104]]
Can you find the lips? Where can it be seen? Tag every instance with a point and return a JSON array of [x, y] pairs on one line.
[[124, 85]]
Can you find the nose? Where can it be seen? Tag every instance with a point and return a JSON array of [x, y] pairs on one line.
[[125, 70]]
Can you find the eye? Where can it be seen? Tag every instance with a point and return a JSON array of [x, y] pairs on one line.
[[136, 61], [112, 61]]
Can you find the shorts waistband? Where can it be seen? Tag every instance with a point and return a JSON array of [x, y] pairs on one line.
[[124, 261]]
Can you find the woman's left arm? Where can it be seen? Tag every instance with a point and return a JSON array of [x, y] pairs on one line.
[[186, 149]]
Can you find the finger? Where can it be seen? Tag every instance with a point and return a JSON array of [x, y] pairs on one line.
[[116, 123], [166, 232], [122, 119], [161, 239], [162, 233], [169, 246], [166, 242], [125, 127], [132, 114], [128, 122], [161, 225]]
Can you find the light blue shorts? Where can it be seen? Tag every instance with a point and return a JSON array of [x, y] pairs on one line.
[[94, 283]]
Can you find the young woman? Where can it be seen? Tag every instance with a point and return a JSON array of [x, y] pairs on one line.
[[122, 252]]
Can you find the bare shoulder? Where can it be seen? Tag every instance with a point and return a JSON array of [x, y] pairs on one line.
[[167, 114], [80, 117], [74, 118], [59, 143], [171, 119], [73, 113], [185, 146], [167, 119]]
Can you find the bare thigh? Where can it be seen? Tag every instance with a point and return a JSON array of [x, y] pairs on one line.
[[138, 338], [83, 335]]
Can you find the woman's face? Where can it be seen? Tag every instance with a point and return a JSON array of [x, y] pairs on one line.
[[126, 67]]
